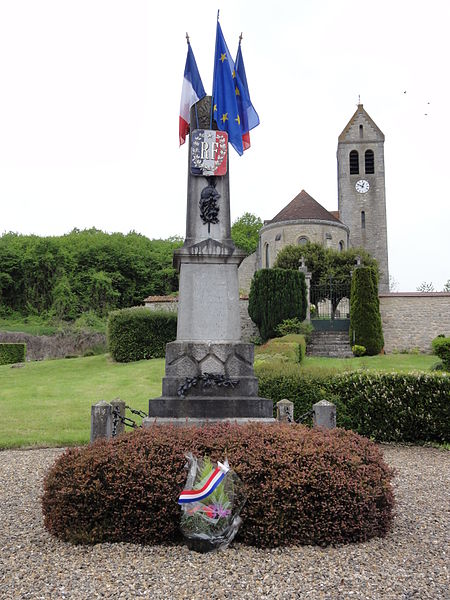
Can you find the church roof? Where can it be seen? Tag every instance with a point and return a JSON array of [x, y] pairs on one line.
[[304, 206], [359, 117]]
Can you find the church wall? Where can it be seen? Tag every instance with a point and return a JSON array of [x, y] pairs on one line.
[[326, 233], [246, 270], [412, 320]]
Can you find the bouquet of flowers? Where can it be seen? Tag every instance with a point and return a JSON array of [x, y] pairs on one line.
[[211, 502]]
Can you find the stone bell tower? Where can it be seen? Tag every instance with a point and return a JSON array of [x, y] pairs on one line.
[[361, 188]]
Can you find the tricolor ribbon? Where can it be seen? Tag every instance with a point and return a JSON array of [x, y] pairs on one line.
[[214, 480]]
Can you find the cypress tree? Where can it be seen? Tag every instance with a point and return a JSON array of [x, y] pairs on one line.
[[365, 320], [276, 295]]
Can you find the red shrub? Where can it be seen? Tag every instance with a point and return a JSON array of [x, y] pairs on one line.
[[305, 486]]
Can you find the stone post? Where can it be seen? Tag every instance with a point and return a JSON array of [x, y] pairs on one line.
[[285, 411], [101, 421], [324, 414], [120, 405], [304, 269]]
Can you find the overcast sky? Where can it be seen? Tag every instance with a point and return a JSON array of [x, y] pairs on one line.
[[89, 105]]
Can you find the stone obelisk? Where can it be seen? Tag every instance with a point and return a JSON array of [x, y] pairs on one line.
[[209, 370]]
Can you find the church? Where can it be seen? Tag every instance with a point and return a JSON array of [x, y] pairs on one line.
[[360, 220]]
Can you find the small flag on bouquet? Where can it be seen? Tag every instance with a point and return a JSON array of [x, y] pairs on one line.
[[213, 481]]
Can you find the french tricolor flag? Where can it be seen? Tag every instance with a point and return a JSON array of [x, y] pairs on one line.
[[192, 92], [216, 477]]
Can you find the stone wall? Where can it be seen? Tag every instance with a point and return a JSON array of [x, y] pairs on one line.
[[411, 320], [40, 347]]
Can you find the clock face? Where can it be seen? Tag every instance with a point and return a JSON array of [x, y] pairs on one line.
[[362, 186]]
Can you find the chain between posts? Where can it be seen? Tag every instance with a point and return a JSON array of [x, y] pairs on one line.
[[126, 420], [303, 417]]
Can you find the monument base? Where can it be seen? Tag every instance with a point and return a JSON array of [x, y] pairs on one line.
[[187, 422], [209, 381]]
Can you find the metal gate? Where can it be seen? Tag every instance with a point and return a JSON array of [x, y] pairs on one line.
[[330, 306]]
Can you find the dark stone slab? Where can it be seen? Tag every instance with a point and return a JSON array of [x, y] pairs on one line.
[[211, 408]]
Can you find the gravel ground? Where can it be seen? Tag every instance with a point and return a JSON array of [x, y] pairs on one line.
[[411, 563]]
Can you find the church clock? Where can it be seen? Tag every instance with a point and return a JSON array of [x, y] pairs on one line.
[[362, 186]]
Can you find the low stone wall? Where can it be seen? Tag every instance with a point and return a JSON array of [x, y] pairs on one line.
[[40, 347], [170, 303], [412, 319]]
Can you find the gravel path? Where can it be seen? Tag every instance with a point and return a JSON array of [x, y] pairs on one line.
[[411, 563]]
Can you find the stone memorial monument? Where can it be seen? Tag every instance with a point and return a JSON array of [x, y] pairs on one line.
[[209, 370]]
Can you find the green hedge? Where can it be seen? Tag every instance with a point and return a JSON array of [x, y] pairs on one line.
[[395, 407], [289, 348], [138, 333], [441, 347], [11, 353], [276, 295], [304, 486], [365, 320]]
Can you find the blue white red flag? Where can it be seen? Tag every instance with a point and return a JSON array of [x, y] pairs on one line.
[[213, 481], [225, 107], [192, 92], [248, 115]]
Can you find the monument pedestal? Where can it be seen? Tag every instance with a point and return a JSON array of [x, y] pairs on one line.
[[209, 371]]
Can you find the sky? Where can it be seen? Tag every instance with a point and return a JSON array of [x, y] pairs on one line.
[[89, 104]]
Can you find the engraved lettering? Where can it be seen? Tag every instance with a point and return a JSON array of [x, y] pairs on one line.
[[204, 150]]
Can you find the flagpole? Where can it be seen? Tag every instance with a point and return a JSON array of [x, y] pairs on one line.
[[214, 77]]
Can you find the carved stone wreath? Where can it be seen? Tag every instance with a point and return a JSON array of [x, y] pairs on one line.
[[207, 380]]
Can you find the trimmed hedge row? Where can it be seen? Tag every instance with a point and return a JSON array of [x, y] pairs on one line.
[[11, 353], [288, 348], [140, 333], [303, 486], [395, 407]]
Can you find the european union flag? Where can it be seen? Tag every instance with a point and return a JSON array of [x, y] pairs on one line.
[[248, 115], [225, 106]]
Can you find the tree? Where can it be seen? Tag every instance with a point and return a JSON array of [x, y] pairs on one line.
[[324, 263], [447, 286], [393, 284], [276, 295], [245, 232], [365, 320], [425, 287], [331, 271]]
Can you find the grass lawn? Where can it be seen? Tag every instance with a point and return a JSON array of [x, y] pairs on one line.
[[49, 402]]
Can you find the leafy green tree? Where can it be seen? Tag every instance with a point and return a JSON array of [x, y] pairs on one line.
[[365, 320], [326, 265], [65, 302], [98, 271], [245, 232], [276, 295]]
